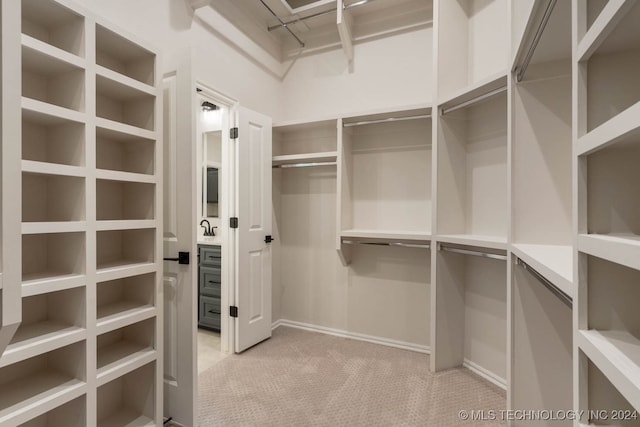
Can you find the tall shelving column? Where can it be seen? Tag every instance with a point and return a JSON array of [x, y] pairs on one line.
[[471, 145], [606, 103], [84, 130]]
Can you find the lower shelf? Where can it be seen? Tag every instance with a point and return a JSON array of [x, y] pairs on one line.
[[120, 358], [128, 418], [617, 355], [619, 248], [491, 242]]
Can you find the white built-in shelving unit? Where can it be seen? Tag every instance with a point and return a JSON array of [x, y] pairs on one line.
[[606, 123], [88, 233]]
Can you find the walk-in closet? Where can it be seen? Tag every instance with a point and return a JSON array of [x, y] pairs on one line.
[[296, 212]]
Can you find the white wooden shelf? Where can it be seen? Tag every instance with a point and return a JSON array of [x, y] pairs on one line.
[[46, 282], [121, 201], [53, 227], [126, 224], [42, 337], [123, 83], [52, 168], [481, 87], [123, 128], [34, 394], [554, 262], [32, 46], [48, 114], [329, 156], [121, 314], [113, 175], [619, 248], [124, 104], [491, 242], [610, 16], [121, 358], [620, 129], [617, 355], [123, 56], [114, 271], [387, 235]]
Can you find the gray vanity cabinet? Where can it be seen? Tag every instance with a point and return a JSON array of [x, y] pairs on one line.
[[209, 269]]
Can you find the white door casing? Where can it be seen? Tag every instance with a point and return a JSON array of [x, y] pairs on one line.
[[253, 209], [180, 202]]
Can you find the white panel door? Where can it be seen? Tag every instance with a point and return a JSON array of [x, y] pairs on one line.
[[179, 236], [253, 209]]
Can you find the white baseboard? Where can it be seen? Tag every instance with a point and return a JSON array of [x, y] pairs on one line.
[[484, 373], [353, 335]]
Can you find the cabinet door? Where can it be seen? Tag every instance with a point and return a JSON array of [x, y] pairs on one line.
[[210, 256], [209, 312], [210, 281]]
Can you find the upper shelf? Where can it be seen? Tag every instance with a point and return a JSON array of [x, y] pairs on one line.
[[54, 24], [554, 262], [118, 54], [329, 156], [386, 236]]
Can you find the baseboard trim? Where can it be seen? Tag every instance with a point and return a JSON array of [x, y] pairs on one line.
[[484, 373], [353, 335]]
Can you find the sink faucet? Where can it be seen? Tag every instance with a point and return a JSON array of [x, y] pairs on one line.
[[208, 231]]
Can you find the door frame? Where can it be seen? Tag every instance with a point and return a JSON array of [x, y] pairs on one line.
[[228, 249]]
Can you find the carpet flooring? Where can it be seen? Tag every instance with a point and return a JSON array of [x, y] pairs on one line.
[[301, 378]]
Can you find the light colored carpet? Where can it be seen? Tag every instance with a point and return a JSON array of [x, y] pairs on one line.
[[300, 378]]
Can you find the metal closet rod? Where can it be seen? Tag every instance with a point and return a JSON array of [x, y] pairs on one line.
[[315, 15], [566, 299], [283, 24], [303, 165], [444, 248], [536, 39], [387, 120], [473, 100], [399, 244]]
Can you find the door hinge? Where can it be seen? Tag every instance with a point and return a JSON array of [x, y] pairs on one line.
[[233, 311], [234, 133], [233, 222], [268, 239]]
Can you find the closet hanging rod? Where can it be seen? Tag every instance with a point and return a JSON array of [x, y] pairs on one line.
[[566, 299], [441, 247], [472, 101], [399, 244], [316, 15], [303, 165], [300, 42], [536, 39], [387, 120]]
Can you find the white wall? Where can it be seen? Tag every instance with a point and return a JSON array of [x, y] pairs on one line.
[[387, 72]]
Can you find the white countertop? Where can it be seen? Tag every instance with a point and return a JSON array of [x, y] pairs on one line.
[[215, 240]]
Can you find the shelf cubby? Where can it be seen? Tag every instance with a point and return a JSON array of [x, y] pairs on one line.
[[123, 56], [611, 338], [121, 103], [129, 399], [47, 324], [30, 387], [117, 151], [472, 43], [387, 169], [52, 256], [71, 414], [120, 300], [52, 198], [605, 401], [122, 248], [48, 79], [305, 142], [471, 312], [611, 72], [54, 24], [118, 200], [51, 139], [472, 171], [542, 346], [613, 208], [125, 349]]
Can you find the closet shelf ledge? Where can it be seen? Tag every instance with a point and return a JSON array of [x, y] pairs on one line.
[[554, 262]]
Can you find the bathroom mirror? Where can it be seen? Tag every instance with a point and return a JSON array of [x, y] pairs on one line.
[[211, 172]]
